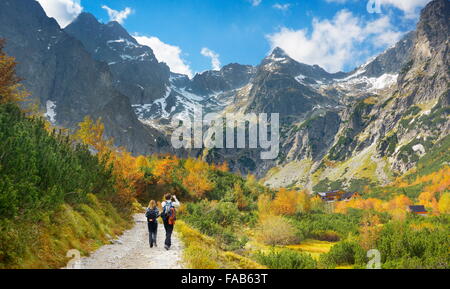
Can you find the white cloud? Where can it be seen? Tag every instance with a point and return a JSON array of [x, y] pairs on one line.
[[118, 16], [334, 44], [282, 7], [256, 2], [64, 11], [215, 62], [408, 6], [167, 53]]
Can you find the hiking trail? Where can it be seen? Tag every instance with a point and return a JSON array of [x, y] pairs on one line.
[[132, 251]]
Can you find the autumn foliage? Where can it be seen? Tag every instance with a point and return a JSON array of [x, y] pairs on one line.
[[285, 202], [10, 88], [196, 180], [127, 169], [135, 175], [434, 196]]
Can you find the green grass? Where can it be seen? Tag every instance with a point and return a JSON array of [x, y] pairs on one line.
[[44, 241]]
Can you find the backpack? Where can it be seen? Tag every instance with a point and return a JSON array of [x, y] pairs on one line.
[[151, 215], [169, 213]]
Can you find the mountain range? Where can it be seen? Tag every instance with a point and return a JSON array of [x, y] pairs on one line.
[[368, 125]]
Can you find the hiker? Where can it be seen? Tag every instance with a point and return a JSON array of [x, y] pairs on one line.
[[152, 214], [169, 216]]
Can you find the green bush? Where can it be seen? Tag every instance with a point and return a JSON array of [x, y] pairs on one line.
[[41, 173], [223, 182], [343, 253], [217, 219], [310, 224], [286, 259], [328, 235], [41, 170], [403, 247]]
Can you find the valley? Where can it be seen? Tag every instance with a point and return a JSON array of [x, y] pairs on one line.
[[86, 117]]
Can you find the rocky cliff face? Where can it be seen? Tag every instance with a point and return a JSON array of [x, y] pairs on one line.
[[422, 98], [230, 77], [62, 75], [285, 86], [392, 60], [136, 71]]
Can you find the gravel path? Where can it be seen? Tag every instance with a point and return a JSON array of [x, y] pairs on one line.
[[132, 251]]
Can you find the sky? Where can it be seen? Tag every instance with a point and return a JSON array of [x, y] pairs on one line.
[[192, 36]]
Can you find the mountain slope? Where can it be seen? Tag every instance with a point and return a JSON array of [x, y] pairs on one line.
[[384, 132], [62, 75], [135, 69]]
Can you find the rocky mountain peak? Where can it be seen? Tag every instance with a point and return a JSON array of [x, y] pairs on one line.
[[229, 77], [434, 22], [277, 55], [86, 18], [63, 75], [106, 40], [279, 62], [136, 71], [117, 29], [277, 52]]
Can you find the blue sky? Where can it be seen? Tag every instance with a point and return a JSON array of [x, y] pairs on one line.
[[336, 34]]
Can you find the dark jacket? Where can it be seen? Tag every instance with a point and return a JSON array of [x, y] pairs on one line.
[[152, 215]]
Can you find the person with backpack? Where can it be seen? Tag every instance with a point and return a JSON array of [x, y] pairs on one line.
[[152, 214], [169, 217]]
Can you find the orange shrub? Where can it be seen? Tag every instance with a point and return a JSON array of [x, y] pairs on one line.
[[197, 181], [285, 202]]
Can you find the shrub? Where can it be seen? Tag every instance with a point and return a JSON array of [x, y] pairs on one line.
[[220, 220], [284, 203], [330, 236], [310, 224], [48, 166], [290, 202], [429, 246], [343, 253], [276, 230], [44, 241], [286, 259], [203, 252], [200, 257], [444, 204]]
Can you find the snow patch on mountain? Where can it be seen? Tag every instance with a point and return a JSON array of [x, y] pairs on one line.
[[127, 42], [370, 83], [300, 78], [51, 111], [384, 81]]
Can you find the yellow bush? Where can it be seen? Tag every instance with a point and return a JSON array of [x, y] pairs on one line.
[[276, 230], [199, 252], [285, 202], [241, 261], [444, 204], [264, 202], [200, 257], [290, 202]]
